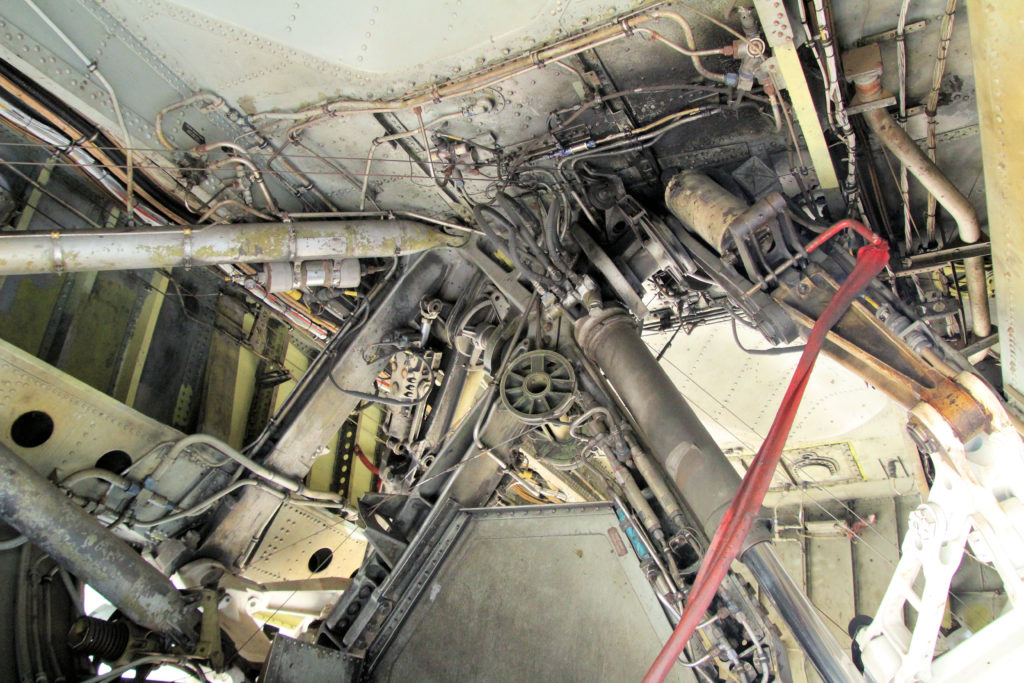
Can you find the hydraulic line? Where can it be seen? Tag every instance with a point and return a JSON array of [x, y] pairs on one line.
[[251, 465], [728, 540], [492, 76]]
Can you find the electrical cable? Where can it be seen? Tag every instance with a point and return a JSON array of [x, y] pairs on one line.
[[92, 68], [366, 461], [374, 398], [387, 400], [778, 351], [160, 660]]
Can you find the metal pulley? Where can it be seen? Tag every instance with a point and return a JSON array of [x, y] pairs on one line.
[[538, 386]]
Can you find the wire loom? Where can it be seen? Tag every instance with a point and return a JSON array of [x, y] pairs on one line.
[[736, 523]]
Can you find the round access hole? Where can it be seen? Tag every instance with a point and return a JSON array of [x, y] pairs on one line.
[[32, 429], [114, 461], [320, 560]]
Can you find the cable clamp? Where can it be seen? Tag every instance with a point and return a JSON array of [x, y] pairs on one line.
[[75, 144], [627, 28], [58, 254], [537, 61], [92, 66], [435, 94]]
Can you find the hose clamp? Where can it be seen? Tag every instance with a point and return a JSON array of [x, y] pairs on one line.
[[293, 244], [58, 253], [75, 144], [186, 234]]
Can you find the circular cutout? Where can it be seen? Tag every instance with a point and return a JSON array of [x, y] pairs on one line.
[[537, 384], [32, 429], [114, 461], [320, 560]]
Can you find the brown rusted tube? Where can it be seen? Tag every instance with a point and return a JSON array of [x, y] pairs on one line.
[[704, 207], [946, 194]]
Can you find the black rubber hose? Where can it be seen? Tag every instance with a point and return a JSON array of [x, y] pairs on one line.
[[524, 219], [551, 234], [486, 218]]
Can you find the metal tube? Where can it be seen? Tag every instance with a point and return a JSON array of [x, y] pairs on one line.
[[946, 193], [644, 512], [82, 546], [810, 631], [691, 458], [25, 253], [656, 481]]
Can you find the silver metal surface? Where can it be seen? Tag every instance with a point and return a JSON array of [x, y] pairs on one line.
[[86, 423], [296, 533], [537, 593], [807, 627], [995, 40]]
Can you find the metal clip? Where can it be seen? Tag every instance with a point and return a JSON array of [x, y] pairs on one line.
[[186, 247], [58, 254], [293, 244]]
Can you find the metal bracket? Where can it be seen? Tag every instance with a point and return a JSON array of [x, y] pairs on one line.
[[892, 33], [186, 247], [209, 647], [58, 254]]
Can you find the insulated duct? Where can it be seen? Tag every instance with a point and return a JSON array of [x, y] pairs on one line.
[[33, 253], [946, 193], [864, 67], [81, 545]]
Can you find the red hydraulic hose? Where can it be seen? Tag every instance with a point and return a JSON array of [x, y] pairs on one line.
[[366, 461], [735, 525]]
